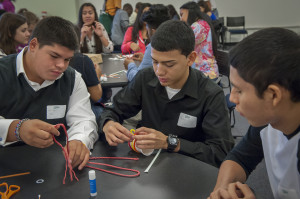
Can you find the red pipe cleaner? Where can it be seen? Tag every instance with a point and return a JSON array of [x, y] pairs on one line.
[[66, 154], [71, 171], [116, 167]]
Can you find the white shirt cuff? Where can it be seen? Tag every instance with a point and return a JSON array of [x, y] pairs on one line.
[[4, 125]]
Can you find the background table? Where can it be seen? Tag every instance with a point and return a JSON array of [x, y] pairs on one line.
[[111, 65], [172, 176]]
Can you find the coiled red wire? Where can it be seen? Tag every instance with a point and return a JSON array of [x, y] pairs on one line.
[[71, 171]]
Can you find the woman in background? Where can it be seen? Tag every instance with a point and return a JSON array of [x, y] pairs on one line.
[[136, 38], [173, 13], [205, 39], [31, 19], [94, 37], [13, 32], [7, 5], [205, 7]]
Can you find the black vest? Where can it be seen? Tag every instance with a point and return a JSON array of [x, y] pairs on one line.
[[18, 100]]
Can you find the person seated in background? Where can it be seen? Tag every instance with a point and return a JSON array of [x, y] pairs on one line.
[[7, 5], [206, 40], [156, 15], [43, 91], [31, 19], [94, 38], [173, 13], [111, 6], [178, 103], [13, 32], [266, 92], [136, 38], [120, 25], [134, 13], [205, 7], [91, 74]]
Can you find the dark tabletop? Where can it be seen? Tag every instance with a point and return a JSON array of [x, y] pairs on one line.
[[172, 175], [111, 64]]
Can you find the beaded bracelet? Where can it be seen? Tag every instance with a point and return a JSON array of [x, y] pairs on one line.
[[17, 133]]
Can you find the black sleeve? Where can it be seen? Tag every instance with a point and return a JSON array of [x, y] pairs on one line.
[[249, 151], [126, 103], [84, 65]]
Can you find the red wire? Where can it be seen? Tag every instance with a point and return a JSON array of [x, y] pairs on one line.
[[116, 167], [71, 171], [66, 154], [113, 158]]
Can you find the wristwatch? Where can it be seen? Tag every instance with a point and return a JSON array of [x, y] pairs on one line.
[[172, 141]]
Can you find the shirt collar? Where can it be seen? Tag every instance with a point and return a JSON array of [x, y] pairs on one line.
[[293, 134], [189, 88]]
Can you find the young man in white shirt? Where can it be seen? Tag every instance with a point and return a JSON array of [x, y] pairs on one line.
[[265, 74], [39, 90]]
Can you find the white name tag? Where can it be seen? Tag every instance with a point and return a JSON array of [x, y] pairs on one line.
[[286, 193], [56, 111], [187, 121]]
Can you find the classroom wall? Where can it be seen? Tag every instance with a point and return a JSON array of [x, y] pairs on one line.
[[258, 13], [262, 13], [63, 8]]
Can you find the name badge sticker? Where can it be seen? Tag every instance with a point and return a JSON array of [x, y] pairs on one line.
[[187, 121], [287, 193], [56, 111]]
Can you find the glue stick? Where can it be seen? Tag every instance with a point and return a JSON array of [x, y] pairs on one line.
[[92, 179]]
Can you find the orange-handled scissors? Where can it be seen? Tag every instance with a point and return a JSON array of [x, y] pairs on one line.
[[11, 190]]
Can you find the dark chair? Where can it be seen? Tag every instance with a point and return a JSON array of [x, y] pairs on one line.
[[231, 107], [238, 24], [222, 59], [221, 32]]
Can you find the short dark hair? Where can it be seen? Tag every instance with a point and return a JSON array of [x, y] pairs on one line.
[[172, 11], [269, 56], [128, 8], [156, 15], [174, 35], [56, 30], [138, 5]]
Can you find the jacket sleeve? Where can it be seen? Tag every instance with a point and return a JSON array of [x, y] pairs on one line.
[[110, 47], [125, 48], [146, 62], [124, 22], [126, 104]]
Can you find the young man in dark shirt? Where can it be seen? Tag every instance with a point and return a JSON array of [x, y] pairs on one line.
[[178, 103], [265, 74]]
